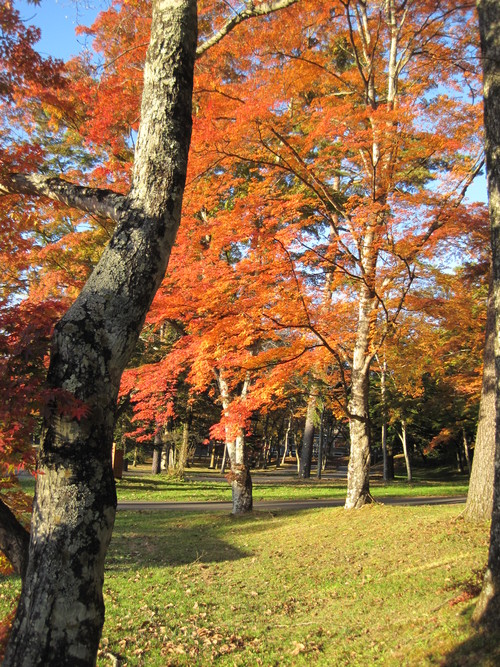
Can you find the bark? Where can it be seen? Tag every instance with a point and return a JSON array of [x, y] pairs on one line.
[[14, 540], [61, 610], [90, 200], [480, 496], [358, 471], [487, 611], [241, 480], [306, 451]]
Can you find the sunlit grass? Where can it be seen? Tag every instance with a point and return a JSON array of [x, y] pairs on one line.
[[381, 586], [158, 488]]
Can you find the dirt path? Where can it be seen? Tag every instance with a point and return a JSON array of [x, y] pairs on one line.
[[282, 505]]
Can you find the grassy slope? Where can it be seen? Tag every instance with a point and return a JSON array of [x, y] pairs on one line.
[[381, 586]]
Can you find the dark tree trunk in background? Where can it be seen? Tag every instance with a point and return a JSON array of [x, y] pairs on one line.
[[306, 452], [61, 610], [157, 452], [480, 496], [487, 611]]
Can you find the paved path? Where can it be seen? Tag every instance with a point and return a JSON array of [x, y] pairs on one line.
[[283, 505]]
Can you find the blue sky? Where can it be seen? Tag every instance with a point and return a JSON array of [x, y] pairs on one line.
[[57, 20]]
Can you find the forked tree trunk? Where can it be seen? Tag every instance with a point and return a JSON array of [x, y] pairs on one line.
[[61, 610], [487, 610], [480, 496]]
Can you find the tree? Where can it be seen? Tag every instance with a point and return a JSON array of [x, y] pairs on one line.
[[61, 611], [351, 187], [487, 611], [60, 614]]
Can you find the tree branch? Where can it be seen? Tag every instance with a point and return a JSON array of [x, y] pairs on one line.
[[98, 201], [14, 539], [262, 9]]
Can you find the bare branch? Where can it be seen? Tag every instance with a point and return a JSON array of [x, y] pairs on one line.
[[97, 201], [262, 9]]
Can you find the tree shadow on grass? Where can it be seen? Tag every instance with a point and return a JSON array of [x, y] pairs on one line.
[[160, 539], [166, 539], [482, 649]]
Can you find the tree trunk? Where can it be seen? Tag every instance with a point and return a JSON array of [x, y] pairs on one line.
[[406, 453], [480, 496], [487, 611], [224, 461], [388, 469], [466, 450], [183, 452], [157, 453], [61, 611], [306, 451], [287, 439], [320, 445], [241, 480], [358, 471]]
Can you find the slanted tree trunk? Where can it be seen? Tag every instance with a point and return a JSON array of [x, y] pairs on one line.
[[306, 451], [61, 610], [480, 496], [487, 611], [404, 442]]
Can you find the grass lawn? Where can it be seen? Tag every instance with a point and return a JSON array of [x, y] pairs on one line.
[[380, 586], [206, 485], [149, 487]]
